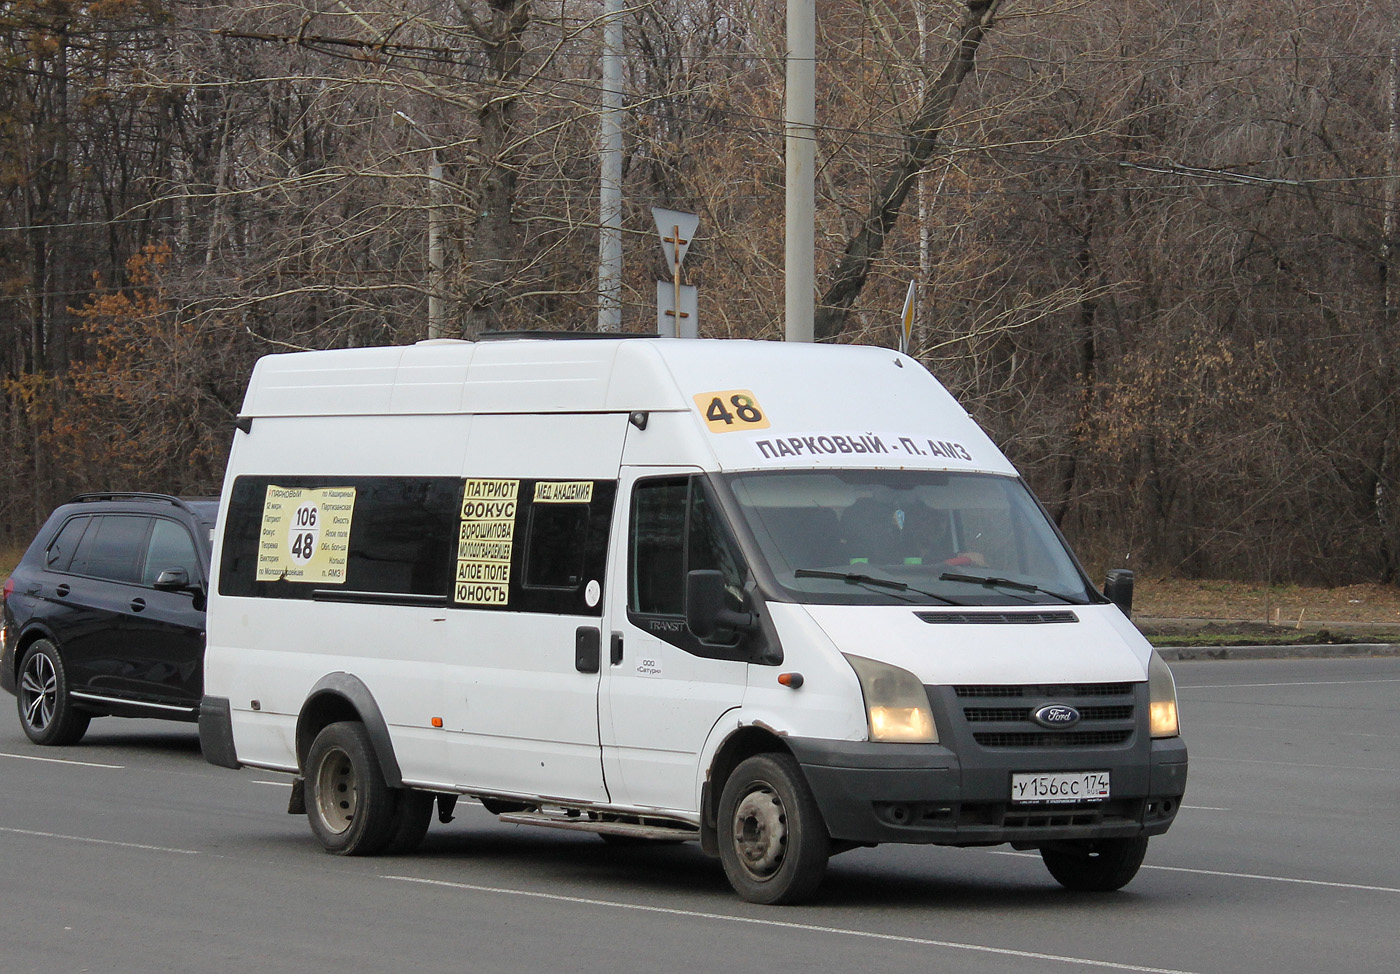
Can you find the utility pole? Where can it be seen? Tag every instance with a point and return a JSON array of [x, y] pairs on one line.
[[801, 148], [436, 200], [436, 191], [610, 184]]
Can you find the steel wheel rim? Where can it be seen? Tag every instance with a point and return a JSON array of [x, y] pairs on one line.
[[38, 694], [760, 832], [337, 797]]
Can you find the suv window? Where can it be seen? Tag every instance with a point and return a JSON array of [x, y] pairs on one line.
[[170, 547], [114, 549]]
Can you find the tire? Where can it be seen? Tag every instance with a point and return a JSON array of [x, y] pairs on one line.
[[1095, 865], [413, 813], [45, 707], [350, 808], [772, 840]]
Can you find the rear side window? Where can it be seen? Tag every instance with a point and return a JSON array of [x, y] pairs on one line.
[[60, 554], [113, 548], [291, 537]]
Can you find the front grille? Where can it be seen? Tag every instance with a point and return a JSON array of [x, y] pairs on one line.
[[1053, 738], [1002, 716], [984, 715], [981, 715]]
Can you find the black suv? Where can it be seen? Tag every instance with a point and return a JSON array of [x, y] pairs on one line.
[[105, 614]]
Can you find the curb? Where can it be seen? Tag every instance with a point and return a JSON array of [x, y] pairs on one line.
[[1320, 651]]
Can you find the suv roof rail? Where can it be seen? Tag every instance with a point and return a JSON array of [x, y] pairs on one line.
[[130, 495]]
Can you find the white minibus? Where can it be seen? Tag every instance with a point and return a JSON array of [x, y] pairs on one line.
[[781, 599]]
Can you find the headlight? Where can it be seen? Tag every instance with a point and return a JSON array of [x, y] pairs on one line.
[[896, 703], [1161, 688]]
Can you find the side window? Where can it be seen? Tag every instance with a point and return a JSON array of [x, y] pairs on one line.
[[60, 554], [381, 536], [709, 550], [656, 571], [675, 529], [114, 548], [492, 543], [534, 545], [170, 547], [554, 553], [401, 535]]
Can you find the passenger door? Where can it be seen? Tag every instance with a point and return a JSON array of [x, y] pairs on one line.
[[97, 596], [663, 690], [526, 623]]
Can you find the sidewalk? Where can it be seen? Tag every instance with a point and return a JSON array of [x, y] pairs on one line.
[[1320, 651], [1303, 651]]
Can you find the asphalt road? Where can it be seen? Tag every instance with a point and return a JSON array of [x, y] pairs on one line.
[[129, 854]]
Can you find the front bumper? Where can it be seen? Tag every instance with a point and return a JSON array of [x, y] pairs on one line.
[[873, 792]]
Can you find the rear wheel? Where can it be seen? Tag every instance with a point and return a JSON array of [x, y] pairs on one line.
[[349, 806], [772, 840], [45, 706], [1095, 865]]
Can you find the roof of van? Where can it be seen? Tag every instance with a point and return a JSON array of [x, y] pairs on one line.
[[778, 402]]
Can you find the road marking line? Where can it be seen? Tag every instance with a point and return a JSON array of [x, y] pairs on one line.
[[1292, 764], [1317, 683], [83, 838], [280, 784], [789, 925], [81, 764], [1230, 875], [1276, 879], [1205, 808]]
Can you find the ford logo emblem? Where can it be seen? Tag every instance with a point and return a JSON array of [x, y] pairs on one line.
[[1056, 715]]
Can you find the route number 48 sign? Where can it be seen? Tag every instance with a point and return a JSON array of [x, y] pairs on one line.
[[305, 534]]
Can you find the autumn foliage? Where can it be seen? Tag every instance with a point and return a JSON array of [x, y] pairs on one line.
[[1153, 244]]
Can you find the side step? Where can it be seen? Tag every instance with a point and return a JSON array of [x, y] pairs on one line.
[[677, 832]]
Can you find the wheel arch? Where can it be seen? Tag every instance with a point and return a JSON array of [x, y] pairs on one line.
[[739, 746], [24, 640], [344, 696]]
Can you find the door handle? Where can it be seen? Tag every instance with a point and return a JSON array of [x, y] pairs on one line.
[[63, 590], [138, 605], [615, 649], [588, 644]]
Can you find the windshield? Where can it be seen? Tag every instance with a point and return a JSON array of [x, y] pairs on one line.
[[881, 537]]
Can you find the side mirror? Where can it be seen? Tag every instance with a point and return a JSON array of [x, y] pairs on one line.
[[173, 580], [1118, 587], [705, 611]]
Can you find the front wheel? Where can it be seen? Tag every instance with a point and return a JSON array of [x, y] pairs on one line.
[[772, 840], [1095, 865], [45, 706], [350, 807]]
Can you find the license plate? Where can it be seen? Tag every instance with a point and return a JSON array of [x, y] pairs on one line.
[[1061, 787]]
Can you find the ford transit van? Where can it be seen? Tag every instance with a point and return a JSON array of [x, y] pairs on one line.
[[781, 599]]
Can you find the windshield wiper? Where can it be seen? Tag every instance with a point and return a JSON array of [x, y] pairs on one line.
[[999, 582], [860, 578]]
